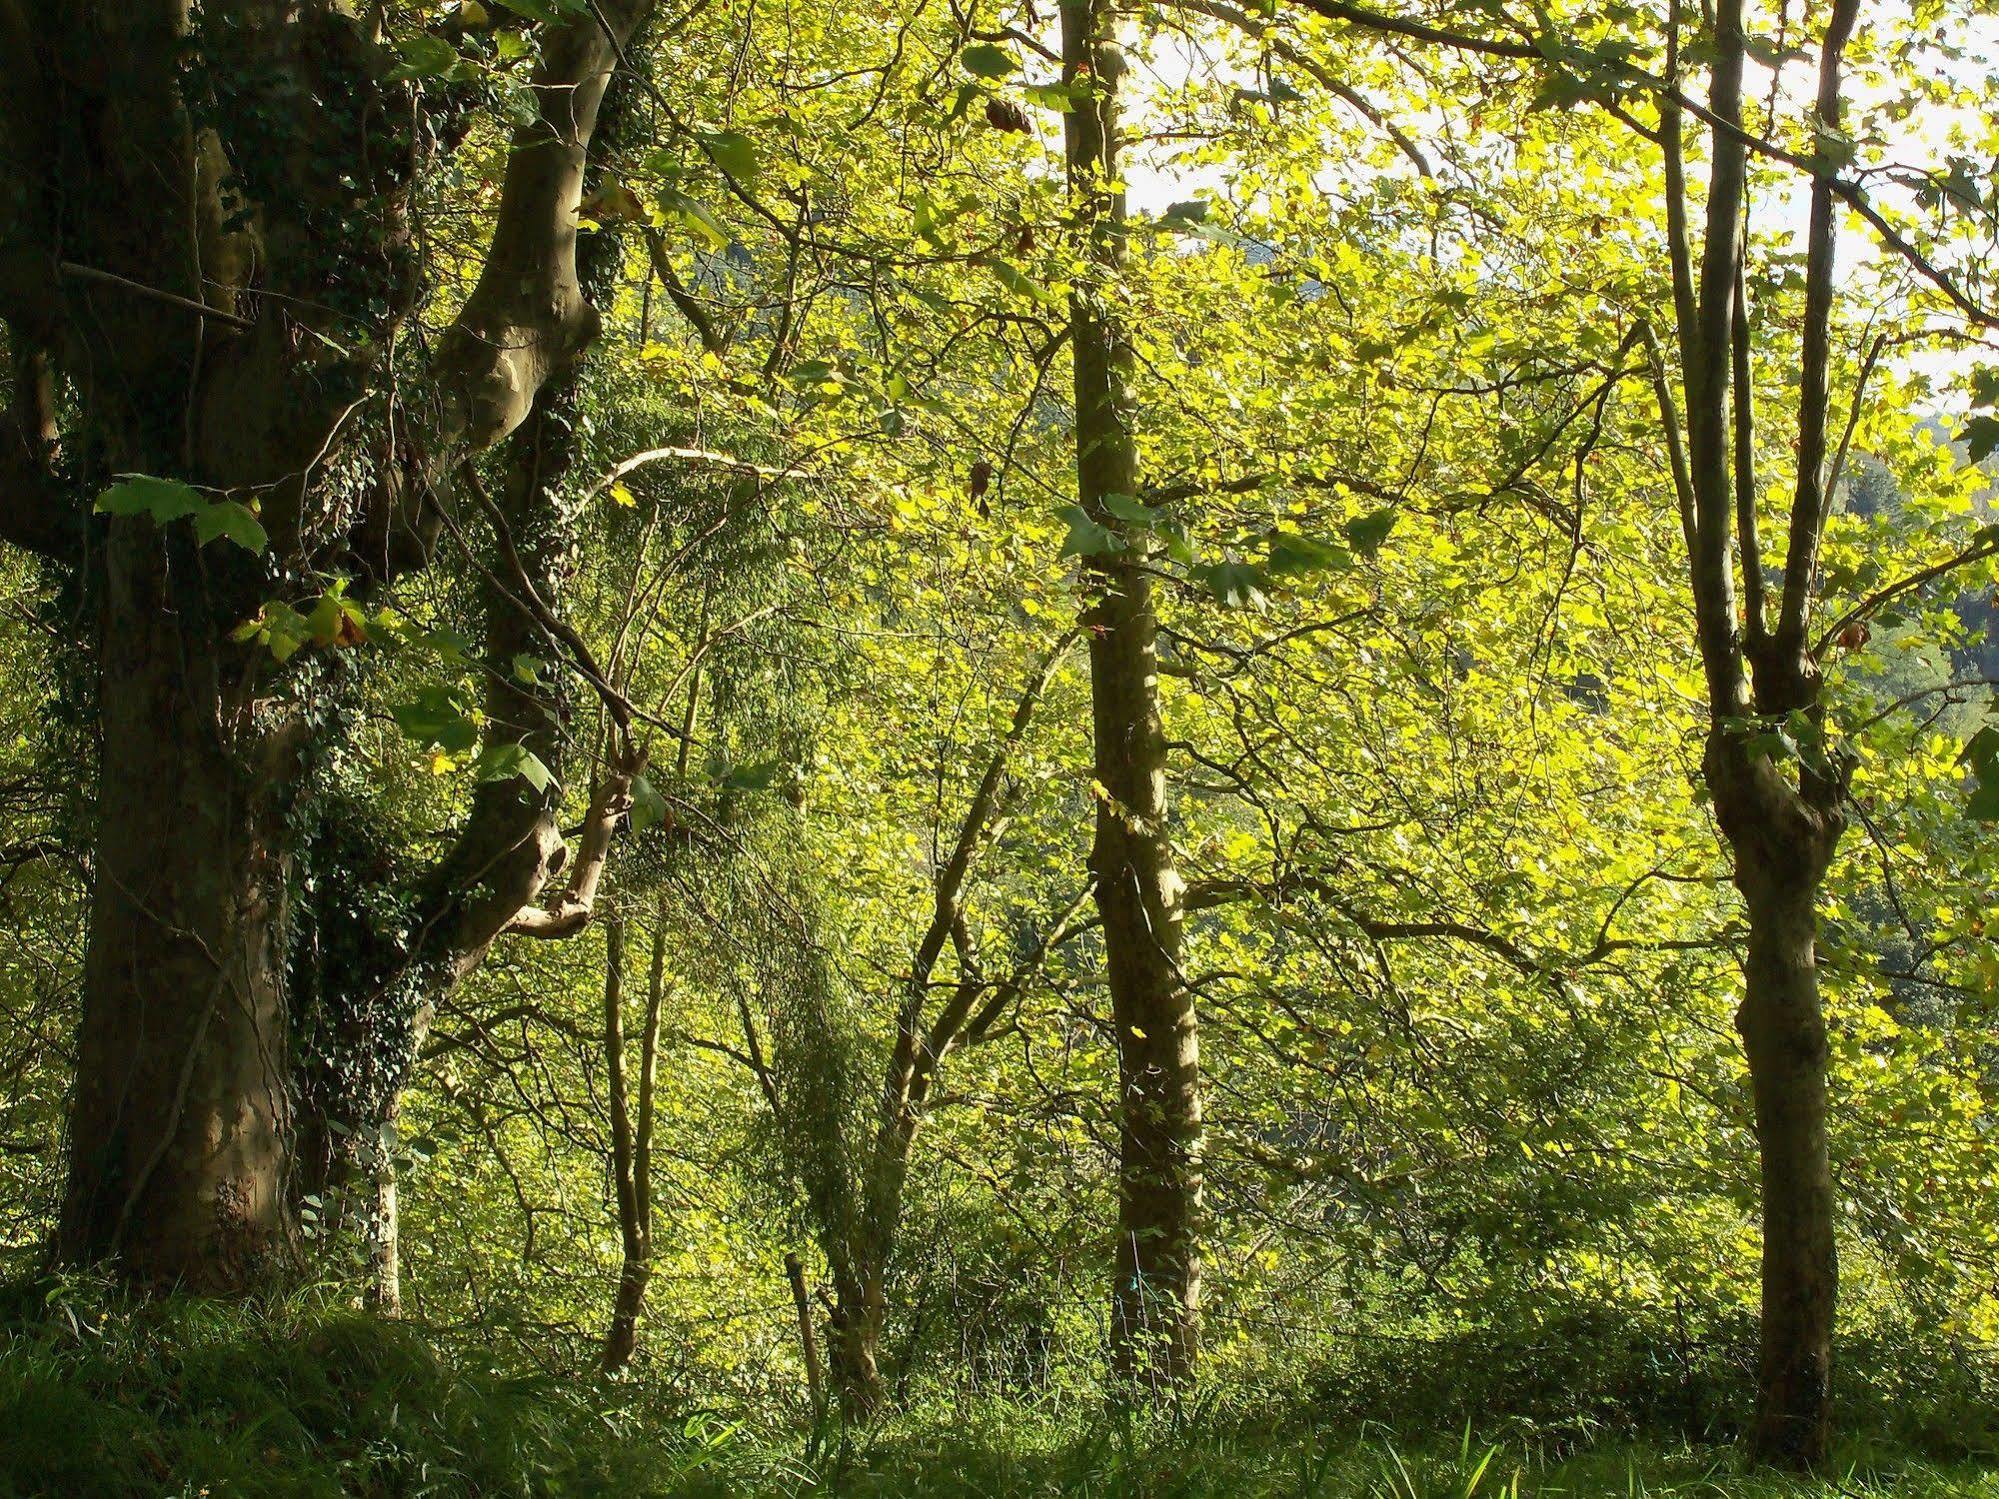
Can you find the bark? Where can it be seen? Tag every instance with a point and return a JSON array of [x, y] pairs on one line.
[[496, 878], [528, 317], [1783, 836], [808, 1340], [1156, 1294], [1782, 821], [1783, 1033], [384, 1241], [179, 1126], [861, 1235], [511, 846], [631, 1140], [859, 1315]]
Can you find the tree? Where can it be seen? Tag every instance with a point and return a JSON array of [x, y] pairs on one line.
[[860, 1227], [1156, 1286], [1772, 762], [631, 1134], [209, 243]]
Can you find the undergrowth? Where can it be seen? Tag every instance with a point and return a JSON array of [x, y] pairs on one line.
[[101, 1396]]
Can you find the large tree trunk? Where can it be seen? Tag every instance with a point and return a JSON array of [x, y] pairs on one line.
[[179, 1129], [184, 318], [1156, 1295], [1783, 1033]]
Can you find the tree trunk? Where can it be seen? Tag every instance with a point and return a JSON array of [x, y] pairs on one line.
[[1156, 1294], [634, 1227], [1156, 1300], [808, 1339], [1783, 1033], [179, 1129], [1783, 836], [860, 1313], [384, 1233]]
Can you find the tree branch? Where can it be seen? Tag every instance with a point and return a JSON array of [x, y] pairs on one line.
[[609, 803], [527, 317]]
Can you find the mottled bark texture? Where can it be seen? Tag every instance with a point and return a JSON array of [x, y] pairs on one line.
[[1156, 1294], [180, 1122], [1783, 840]]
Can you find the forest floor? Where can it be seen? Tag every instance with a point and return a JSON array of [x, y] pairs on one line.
[[197, 1401], [1343, 1464]]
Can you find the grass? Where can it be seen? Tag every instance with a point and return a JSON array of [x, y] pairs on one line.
[[1257, 1462], [307, 1398], [100, 1397]]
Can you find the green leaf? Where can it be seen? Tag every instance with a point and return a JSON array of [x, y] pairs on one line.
[[426, 56], [1563, 90], [1368, 532], [754, 775], [1128, 508], [142, 494], [232, 519], [168, 500], [436, 718], [323, 624], [1086, 537], [501, 762], [1292, 555], [696, 216], [1983, 804], [735, 153], [1236, 584], [1019, 282], [1981, 756], [987, 61], [1980, 438], [542, 10], [814, 372], [648, 806], [280, 627]]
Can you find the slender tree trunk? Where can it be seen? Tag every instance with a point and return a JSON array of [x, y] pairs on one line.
[[1156, 1295], [808, 1339], [179, 1128], [860, 1308], [384, 1235], [1783, 836], [1784, 1035], [631, 1143]]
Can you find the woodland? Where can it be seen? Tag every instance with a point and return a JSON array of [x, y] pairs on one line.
[[1091, 747]]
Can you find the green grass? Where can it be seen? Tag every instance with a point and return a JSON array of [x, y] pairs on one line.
[[305, 1397], [100, 1396], [1004, 1456]]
